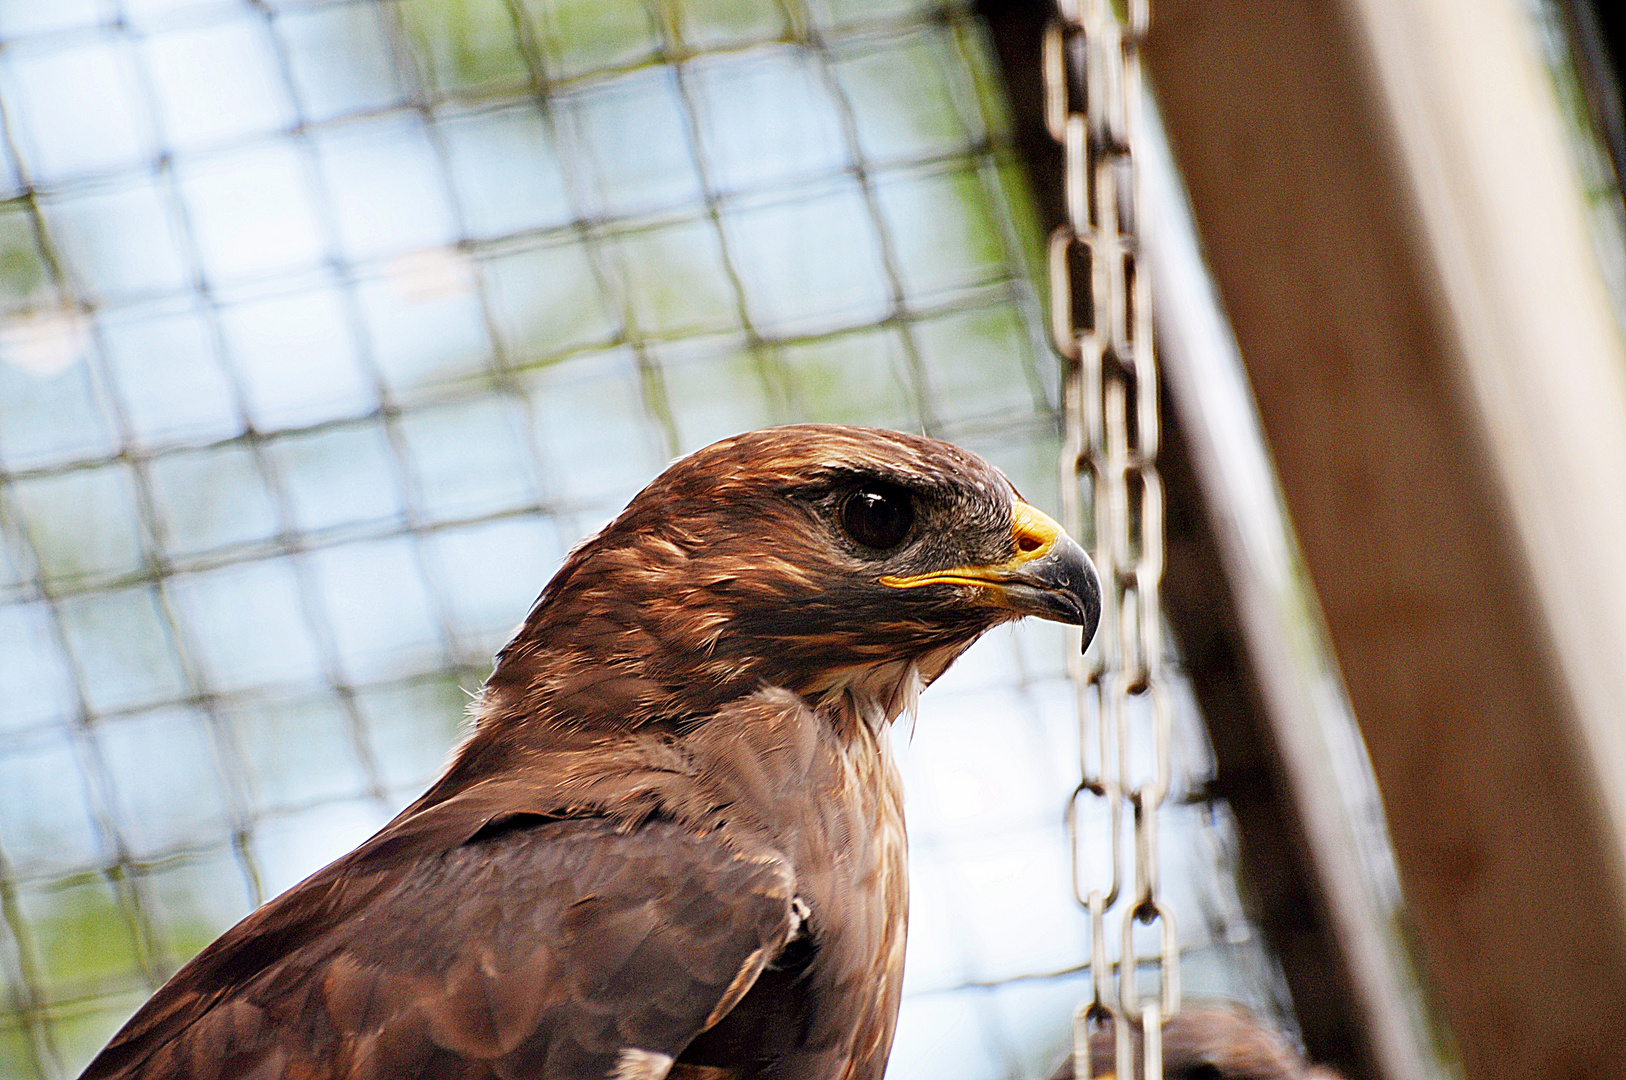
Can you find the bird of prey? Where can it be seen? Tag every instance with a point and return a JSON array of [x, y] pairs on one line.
[[1210, 1041], [673, 845]]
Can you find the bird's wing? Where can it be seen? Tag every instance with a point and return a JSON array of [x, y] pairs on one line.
[[537, 947]]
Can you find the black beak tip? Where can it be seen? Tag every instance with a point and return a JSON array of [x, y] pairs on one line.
[[1087, 591], [1092, 607]]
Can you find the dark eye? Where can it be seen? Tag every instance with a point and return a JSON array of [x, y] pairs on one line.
[[878, 517]]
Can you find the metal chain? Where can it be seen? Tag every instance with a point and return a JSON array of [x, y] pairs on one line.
[[1092, 59]]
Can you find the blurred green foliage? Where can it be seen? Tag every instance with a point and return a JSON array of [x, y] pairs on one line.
[[22, 272], [464, 46], [81, 936]]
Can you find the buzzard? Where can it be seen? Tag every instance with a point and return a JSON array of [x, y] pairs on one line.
[[673, 845], [1210, 1041]]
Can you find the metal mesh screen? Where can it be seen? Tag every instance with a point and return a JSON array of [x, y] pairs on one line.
[[328, 327]]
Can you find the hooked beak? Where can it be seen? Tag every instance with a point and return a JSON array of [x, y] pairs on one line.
[[1049, 576]]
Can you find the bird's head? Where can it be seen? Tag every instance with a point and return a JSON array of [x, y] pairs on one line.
[[810, 557]]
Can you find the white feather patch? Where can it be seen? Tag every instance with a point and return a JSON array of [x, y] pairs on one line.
[[798, 916], [638, 1064], [877, 694], [913, 684]]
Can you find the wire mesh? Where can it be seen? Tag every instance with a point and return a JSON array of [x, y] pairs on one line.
[[328, 327]]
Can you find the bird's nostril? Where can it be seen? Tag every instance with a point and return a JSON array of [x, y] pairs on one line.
[[1028, 543]]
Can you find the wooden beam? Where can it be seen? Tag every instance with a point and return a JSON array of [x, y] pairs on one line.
[[1382, 189], [1246, 605]]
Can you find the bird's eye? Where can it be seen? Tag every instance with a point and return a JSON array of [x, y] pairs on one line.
[[878, 517]]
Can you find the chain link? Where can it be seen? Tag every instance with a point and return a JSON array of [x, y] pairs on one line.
[[1091, 59]]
